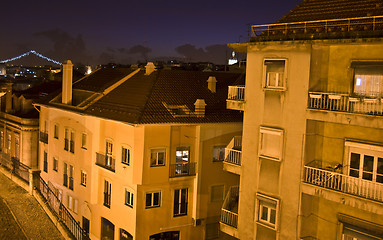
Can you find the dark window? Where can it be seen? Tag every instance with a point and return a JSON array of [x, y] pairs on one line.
[[107, 193], [180, 202], [45, 162]]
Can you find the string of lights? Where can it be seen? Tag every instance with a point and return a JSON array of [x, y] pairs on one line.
[[27, 53]]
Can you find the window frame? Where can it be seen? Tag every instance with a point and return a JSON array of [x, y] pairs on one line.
[[180, 159], [262, 151], [84, 177], [263, 200], [55, 164], [107, 193], [56, 130], [265, 78], [129, 198], [152, 193], [156, 151], [84, 140], [180, 202], [372, 74], [45, 159], [126, 155]]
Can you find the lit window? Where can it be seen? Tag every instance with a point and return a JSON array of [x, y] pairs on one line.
[[83, 178], [129, 198], [216, 193], [83, 140], [218, 153], [180, 202], [157, 157], [109, 153], [271, 143], [275, 73], [153, 199], [368, 78], [125, 155], [55, 164], [182, 154], [267, 208]]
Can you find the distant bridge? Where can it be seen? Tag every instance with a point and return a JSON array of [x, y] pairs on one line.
[[31, 52]]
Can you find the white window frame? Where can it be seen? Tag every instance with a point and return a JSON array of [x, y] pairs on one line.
[[84, 177], [221, 197], [109, 152], [129, 197], [264, 202], [266, 76], [152, 193], [262, 152], [126, 153], [157, 151]]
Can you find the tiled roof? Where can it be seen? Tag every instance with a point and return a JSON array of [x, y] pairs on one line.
[[311, 10], [142, 99]]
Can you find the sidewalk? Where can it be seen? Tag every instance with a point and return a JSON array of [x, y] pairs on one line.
[[29, 214]]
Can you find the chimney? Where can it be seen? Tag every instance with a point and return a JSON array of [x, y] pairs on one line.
[[66, 96], [149, 68], [200, 107], [8, 98], [212, 84]]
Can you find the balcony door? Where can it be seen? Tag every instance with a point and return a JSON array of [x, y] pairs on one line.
[[366, 164], [108, 153]]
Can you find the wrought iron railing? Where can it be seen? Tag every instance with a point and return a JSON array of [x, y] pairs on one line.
[[182, 169], [44, 137], [14, 165], [236, 93], [106, 161], [345, 103], [344, 183], [335, 28], [229, 211], [61, 212]]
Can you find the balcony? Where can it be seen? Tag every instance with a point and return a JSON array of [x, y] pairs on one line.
[[107, 162], [346, 103], [229, 212], [343, 183], [44, 137], [233, 155], [182, 169], [236, 98]]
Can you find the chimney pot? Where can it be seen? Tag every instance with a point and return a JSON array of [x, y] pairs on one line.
[[212, 84], [149, 68], [200, 107]]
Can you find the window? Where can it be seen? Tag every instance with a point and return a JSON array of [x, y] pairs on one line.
[[71, 180], [129, 198], [56, 131], [55, 164], [368, 78], [109, 153], [65, 175], [107, 193], [68, 176], [365, 161], [275, 73], [358, 229], [125, 155], [125, 235], [153, 199], [267, 208], [271, 143], [85, 224], [72, 204], [71, 144], [17, 146], [83, 140], [216, 193], [66, 139], [45, 162], [180, 202], [83, 178], [1, 139], [218, 153], [182, 154], [9, 143], [157, 157]]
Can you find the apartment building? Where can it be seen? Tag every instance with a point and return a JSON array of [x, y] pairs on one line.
[[138, 153], [311, 161]]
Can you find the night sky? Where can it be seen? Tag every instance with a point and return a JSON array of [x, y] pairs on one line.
[[98, 32]]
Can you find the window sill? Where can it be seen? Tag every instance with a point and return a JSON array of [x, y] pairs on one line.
[[270, 158], [148, 207], [84, 148], [131, 206], [108, 206], [127, 164], [276, 89], [217, 160], [157, 165], [84, 185], [180, 215], [267, 225]]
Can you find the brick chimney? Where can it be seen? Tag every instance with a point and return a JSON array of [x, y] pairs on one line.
[[200, 107], [149, 68], [66, 95], [212, 84]]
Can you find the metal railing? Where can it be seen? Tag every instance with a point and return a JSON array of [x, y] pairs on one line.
[[61, 212], [346, 28], [344, 183], [182, 169], [44, 137], [14, 165], [236, 93], [229, 211], [345, 103], [233, 151], [107, 162]]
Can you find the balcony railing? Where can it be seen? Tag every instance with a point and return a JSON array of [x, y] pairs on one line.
[[233, 151], [345, 103], [44, 137], [182, 169], [344, 183], [14, 165], [106, 161], [320, 29], [229, 211], [236, 93]]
